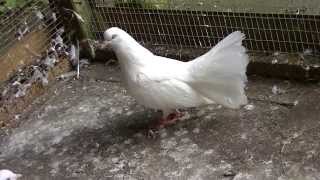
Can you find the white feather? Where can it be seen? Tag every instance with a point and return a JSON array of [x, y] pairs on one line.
[[6, 174], [218, 76]]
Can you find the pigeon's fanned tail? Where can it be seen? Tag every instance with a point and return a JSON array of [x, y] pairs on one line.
[[220, 74]]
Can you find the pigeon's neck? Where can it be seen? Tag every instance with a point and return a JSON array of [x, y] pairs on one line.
[[130, 52]]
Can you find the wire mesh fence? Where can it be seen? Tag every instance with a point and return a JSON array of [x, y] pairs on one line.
[[201, 24], [35, 42], [38, 18]]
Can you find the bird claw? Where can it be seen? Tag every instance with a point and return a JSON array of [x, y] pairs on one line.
[[151, 134]]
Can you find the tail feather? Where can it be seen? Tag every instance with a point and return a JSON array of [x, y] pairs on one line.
[[220, 74]]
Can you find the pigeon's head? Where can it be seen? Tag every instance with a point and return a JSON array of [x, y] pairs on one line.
[[121, 42], [8, 175], [113, 34]]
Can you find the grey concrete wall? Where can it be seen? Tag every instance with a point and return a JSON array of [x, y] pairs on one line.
[[311, 7], [261, 6]]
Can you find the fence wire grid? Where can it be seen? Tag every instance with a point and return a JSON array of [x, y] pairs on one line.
[[201, 24], [31, 16]]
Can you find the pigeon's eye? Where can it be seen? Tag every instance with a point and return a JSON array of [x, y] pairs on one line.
[[114, 36]]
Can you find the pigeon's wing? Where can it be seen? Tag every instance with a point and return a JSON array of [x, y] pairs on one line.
[[160, 86]]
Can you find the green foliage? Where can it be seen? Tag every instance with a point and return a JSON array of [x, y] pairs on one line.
[[146, 4], [19, 3], [15, 3], [12, 4]]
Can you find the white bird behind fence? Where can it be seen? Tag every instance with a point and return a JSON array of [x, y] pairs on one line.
[[219, 76]]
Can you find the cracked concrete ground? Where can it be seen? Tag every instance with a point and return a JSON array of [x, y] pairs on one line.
[[91, 129]]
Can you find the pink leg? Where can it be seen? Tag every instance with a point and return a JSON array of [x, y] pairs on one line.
[[169, 120]]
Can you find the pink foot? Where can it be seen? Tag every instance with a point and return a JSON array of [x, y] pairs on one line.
[[164, 122], [169, 120]]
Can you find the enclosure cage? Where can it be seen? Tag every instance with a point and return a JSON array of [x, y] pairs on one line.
[[270, 26], [60, 122], [35, 47], [22, 19], [32, 32]]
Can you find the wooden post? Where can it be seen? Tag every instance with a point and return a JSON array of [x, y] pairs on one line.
[[83, 8], [80, 30]]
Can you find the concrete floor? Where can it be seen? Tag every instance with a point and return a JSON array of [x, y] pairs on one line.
[[91, 129]]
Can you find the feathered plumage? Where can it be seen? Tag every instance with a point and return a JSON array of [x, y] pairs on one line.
[[219, 76]]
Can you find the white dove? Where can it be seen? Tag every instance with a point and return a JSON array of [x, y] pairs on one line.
[[218, 76], [6, 174]]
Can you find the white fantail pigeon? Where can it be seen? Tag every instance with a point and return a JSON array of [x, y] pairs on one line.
[[218, 76]]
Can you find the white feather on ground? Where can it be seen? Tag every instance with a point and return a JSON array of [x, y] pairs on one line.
[[219, 76], [6, 174]]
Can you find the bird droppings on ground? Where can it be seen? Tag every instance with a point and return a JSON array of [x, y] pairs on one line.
[[91, 129], [249, 107]]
